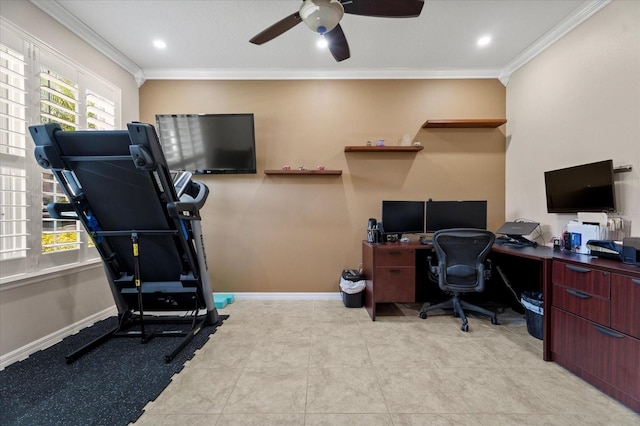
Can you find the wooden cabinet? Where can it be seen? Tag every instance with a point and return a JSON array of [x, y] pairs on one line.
[[390, 274], [595, 329]]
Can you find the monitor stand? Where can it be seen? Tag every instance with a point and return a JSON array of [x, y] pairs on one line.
[[522, 240]]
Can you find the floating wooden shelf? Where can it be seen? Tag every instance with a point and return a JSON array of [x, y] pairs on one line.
[[463, 124], [364, 148], [303, 172]]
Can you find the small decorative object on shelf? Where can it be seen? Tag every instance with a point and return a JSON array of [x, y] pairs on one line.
[[380, 142], [368, 143], [286, 167], [302, 168], [416, 143], [321, 168]]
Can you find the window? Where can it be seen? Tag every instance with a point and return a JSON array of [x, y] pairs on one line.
[[39, 86]]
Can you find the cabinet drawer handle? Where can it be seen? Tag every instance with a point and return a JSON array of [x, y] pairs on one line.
[[578, 294], [608, 332], [395, 271], [635, 280], [395, 253], [578, 269]]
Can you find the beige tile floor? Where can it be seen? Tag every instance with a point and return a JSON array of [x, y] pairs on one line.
[[318, 363]]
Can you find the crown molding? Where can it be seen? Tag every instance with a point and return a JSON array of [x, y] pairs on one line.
[[556, 33], [309, 74], [73, 24], [60, 14]]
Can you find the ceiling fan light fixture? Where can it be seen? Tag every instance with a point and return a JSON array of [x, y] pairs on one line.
[[321, 15]]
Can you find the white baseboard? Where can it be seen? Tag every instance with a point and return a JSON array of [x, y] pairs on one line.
[[53, 338], [286, 296]]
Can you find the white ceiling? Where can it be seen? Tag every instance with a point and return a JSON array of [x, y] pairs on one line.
[[210, 39]]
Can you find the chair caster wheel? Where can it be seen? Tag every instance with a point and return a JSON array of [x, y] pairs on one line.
[[465, 327], [423, 315], [494, 321]]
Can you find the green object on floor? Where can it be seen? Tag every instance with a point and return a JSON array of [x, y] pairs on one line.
[[223, 299]]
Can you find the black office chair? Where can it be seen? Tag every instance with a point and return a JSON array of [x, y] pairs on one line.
[[462, 268]]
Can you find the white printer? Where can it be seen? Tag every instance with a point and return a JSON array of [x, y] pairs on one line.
[[581, 233]]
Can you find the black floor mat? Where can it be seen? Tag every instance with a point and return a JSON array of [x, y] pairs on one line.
[[108, 386]]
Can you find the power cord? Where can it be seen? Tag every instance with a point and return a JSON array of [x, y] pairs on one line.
[[506, 282]]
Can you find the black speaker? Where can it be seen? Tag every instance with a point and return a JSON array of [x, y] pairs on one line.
[[631, 251]]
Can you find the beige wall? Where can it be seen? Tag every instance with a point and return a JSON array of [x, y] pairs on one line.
[[37, 308], [295, 234], [577, 102]]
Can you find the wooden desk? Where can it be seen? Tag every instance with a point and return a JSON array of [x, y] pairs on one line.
[[391, 271], [591, 306]]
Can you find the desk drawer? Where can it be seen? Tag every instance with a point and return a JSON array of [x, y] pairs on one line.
[[395, 256], [582, 278], [605, 353], [395, 284], [585, 305], [625, 304]]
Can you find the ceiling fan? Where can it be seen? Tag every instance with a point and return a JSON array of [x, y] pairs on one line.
[[323, 17]]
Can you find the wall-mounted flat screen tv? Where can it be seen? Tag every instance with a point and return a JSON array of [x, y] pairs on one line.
[[583, 188], [208, 143]]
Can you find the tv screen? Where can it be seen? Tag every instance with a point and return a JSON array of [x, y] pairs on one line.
[[456, 214], [403, 217], [208, 143], [583, 188]]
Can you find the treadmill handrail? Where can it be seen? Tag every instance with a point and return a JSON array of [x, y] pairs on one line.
[[189, 210]]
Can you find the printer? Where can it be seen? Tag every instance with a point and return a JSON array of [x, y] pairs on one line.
[[581, 233]]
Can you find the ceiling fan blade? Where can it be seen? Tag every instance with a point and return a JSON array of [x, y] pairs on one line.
[[337, 44], [276, 29], [384, 8]]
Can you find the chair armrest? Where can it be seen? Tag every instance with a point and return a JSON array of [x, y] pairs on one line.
[[487, 269], [434, 269]]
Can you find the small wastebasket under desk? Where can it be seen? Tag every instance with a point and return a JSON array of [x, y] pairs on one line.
[[534, 312]]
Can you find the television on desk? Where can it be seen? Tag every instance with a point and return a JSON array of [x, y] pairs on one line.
[[403, 217], [456, 214], [208, 143], [583, 188]]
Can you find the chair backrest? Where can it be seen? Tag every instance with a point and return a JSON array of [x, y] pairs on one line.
[[461, 255]]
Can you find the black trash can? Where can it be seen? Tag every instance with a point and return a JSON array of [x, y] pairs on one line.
[[353, 300], [534, 312], [352, 288]]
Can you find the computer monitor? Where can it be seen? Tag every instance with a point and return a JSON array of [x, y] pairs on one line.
[[403, 217], [456, 214]]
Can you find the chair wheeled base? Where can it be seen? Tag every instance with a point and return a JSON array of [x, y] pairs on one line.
[[459, 306]]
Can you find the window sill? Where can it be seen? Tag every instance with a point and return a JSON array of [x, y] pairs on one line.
[[21, 280]]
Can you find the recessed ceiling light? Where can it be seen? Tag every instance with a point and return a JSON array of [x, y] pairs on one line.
[[484, 40], [159, 44]]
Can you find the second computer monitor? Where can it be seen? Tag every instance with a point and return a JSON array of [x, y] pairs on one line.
[[403, 217], [456, 214]]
